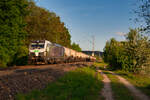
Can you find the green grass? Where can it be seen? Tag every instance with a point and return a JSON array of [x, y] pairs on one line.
[[100, 65], [81, 84], [120, 92], [140, 81]]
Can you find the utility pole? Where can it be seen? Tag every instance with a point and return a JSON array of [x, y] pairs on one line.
[[93, 43]]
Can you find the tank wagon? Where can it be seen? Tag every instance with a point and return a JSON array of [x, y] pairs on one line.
[[48, 52]]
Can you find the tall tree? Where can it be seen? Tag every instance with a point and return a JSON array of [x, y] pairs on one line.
[[12, 34], [131, 55], [114, 54], [43, 24], [138, 50], [76, 47], [143, 12]]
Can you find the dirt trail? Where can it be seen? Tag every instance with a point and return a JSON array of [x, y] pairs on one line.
[[138, 94], [106, 91]]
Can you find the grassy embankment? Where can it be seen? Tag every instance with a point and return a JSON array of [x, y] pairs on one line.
[[100, 65], [81, 84]]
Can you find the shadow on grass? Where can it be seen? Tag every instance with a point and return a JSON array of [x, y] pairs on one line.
[[145, 89], [82, 84]]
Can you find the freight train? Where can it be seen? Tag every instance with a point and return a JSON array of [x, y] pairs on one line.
[[43, 51]]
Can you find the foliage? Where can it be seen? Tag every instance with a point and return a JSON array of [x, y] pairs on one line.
[[22, 21], [21, 57], [80, 84], [4, 57], [114, 54], [12, 33], [76, 47], [138, 50], [45, 25], [130, 55], [100, 65], [143, 12]]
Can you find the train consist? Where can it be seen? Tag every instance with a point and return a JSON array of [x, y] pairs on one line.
[[43, 51]]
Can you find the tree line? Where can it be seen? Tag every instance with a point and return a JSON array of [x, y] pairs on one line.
[[22, 21], [133, 54]]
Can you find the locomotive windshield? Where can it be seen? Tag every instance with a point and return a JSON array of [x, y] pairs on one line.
[[37, 45]]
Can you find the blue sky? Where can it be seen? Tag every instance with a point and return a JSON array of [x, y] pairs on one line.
[[103, 19]]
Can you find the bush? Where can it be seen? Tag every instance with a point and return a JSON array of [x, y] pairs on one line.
[[4, 57], [21, 57], [131, 55]]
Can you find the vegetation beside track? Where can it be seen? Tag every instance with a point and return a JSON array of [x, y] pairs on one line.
[[100, 65], [81, 84], [24, 27], [131, 55]]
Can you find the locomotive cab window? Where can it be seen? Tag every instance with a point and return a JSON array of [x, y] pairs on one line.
[[37, 46]]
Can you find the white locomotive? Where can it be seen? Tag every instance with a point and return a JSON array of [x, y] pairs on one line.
[[47, 52]]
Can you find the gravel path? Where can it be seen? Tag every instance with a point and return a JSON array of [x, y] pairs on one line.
[[106, 91], [137, 93]]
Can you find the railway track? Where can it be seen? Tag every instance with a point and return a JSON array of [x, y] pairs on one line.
[[9, 70], [23, 79]]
